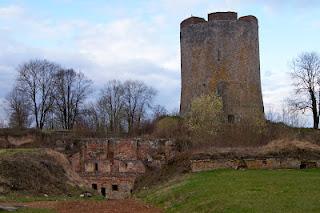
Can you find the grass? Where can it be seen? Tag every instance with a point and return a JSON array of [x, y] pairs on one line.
[[10, 152], [239, 191]]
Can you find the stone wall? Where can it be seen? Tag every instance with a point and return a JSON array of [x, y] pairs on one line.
[[253, 163], [221, 56]]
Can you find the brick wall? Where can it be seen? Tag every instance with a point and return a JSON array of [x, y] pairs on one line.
[[118, 162], [116, 187], [126, 149]]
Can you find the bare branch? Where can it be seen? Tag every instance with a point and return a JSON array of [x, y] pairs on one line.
[[306, 74]]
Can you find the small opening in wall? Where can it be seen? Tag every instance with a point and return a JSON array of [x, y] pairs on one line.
[[242, 165], [231, 119], [303, 166], [115, 188], [204, 84], [96, 168], [94, 186], [308, 165], [103, 191], [218, 55]]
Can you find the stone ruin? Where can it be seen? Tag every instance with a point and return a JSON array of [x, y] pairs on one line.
[[111, 166]]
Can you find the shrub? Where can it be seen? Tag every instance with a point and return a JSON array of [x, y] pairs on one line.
[[169, 127], [205, 118]]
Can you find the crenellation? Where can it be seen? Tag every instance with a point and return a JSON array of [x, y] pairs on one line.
[[251, 19], [192, 20], [225, 16]]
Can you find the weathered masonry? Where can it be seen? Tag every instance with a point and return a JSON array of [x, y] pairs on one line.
[[221, 56], [253, 163], [111, 166]]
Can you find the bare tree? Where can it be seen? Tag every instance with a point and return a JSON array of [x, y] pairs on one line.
[[19, 109], [273, 115], [70, 91], [52, 122], [111, 105], [159, 111], [137, 99], [306, 76], [35, 80], [292, 117], [3, 110], [286, 115], [2, 124], [89, 118]]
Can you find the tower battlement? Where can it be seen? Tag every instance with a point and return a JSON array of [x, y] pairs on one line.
[[192, 20], [222, 16], [221, 56], [218, 16], [249, 19]]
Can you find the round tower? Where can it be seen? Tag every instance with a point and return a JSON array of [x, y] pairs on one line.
[[221, 56]]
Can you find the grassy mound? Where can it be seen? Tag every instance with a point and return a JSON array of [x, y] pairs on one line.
[[36, 172], [174, 168], [239, 191]]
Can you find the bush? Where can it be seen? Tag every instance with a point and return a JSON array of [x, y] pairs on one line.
[[169, 127], [205, 118]]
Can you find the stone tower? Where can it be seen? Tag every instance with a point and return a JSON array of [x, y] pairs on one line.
[[221, 56]]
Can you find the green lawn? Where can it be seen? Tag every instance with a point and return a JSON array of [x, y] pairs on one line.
[[10, 152], [239, 191]]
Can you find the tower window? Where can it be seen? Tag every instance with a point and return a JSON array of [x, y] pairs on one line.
[[219, 55], [96, 168], [220, 88], [231, 119]]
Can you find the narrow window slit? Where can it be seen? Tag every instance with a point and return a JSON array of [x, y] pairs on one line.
[[96, 168]]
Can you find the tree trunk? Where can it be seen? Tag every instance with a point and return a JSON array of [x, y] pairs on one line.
[[314, 109]]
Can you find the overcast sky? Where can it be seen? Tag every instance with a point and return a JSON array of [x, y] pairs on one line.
[[139, 39]]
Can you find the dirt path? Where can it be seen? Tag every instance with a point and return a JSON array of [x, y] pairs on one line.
[[112, 206]]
